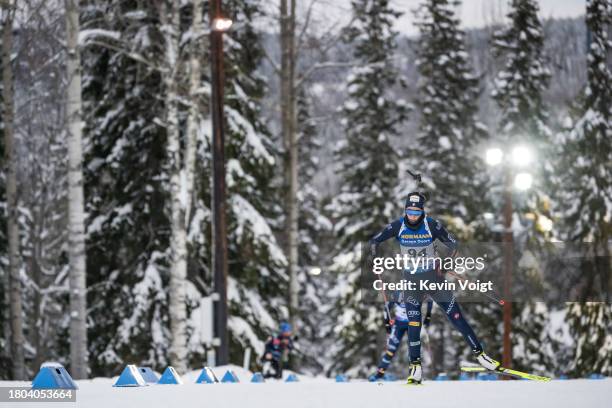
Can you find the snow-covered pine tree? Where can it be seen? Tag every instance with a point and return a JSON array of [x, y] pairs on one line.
[[518, 91], [257, 282], [4, 318], [534, 348], [197, 173], [585, 199], [590, 324], [15, 287], [449, 132], [42, 175], [520, 85], [314, 229], [126, 186], [367, 166]]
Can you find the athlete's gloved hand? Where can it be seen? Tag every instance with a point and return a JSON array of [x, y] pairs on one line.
[[389, 325]]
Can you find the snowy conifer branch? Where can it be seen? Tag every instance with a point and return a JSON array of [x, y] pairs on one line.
[[323, 65], [130, 54]]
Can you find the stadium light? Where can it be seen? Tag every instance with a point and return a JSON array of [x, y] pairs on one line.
[[523, 181], [521, 156], [494, 156], [222, 24], [315, 271]]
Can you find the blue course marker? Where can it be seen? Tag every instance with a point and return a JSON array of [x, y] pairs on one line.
[[258, 378], [170, 376], [53, 376], [292, 378], [130, 377], [207, 376], [148, 375], [230, 377], [442, 377], [389, 377]]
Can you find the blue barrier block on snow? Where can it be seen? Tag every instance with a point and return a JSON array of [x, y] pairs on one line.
[[292, 378], [53, 376], [257, 378], [207, 376], [148, 375], [596, 376], [130, 377], [230, 377], [170, 376], [389, 377]]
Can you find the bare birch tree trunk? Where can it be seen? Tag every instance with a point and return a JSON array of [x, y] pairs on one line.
[[193, 119], [178, 239], [76, 208], [288, 126], [14, 288]]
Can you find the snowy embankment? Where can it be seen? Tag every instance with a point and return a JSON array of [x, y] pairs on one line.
[[323, 392]]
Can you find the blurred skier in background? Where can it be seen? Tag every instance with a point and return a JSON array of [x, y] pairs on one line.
[[276, 352]]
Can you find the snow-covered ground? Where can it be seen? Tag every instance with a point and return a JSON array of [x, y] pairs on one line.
[[323, 392]]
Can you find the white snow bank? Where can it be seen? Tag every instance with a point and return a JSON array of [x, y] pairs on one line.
[[99, 393]]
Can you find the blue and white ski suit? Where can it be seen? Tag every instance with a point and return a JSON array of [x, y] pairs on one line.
[[421, 240]]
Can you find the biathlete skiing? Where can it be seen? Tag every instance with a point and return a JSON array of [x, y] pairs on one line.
[[417, 235]]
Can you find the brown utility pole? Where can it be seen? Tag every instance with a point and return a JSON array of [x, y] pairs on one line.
[[219, 226]]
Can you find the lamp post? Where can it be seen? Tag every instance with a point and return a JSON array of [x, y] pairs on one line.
[[521, 156], [508, 240], [219, 226]]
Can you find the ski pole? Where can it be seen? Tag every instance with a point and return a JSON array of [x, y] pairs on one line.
[[492, 297], [427, 341], [416, 177], [384, 294]]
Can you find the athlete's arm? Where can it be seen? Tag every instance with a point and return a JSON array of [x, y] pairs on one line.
[[440, 233], [390, 231]]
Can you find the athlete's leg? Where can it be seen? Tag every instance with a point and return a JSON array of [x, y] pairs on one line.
[[413, 310], [448, 303], [393, 343]]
